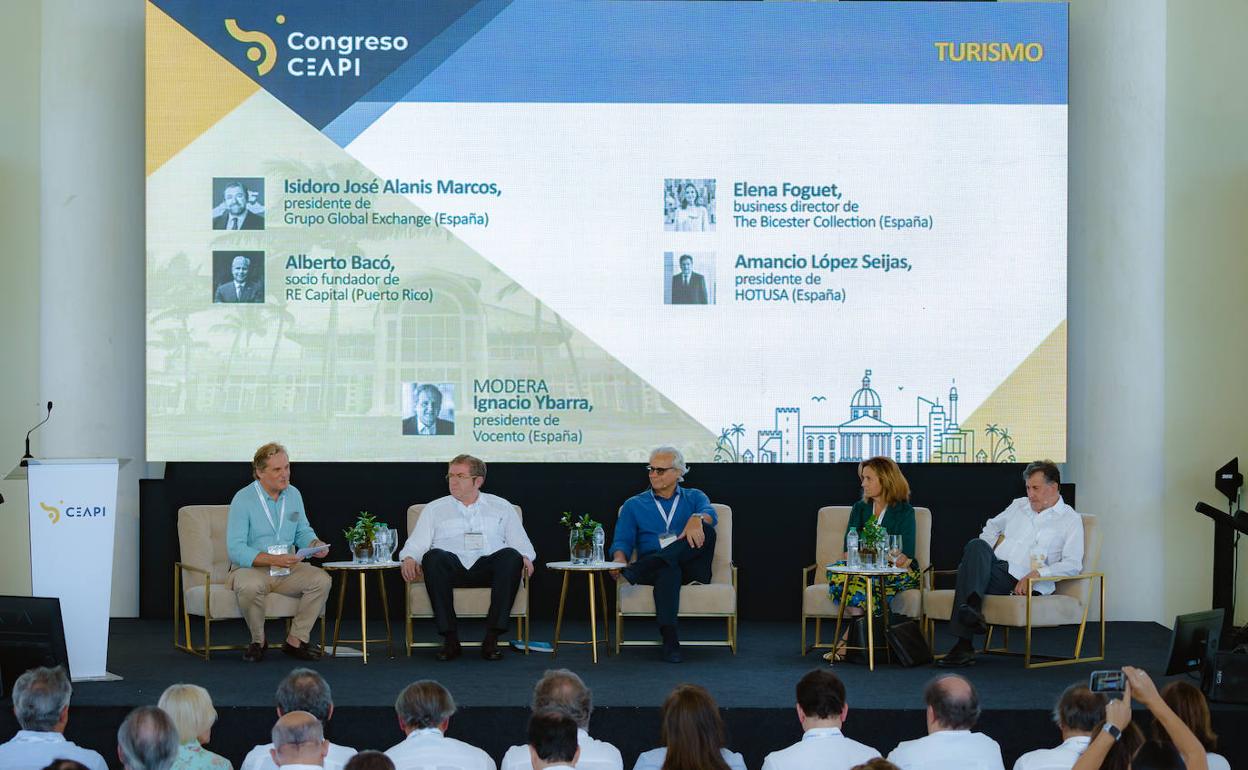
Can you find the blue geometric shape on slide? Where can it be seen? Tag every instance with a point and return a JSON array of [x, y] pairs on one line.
[[295, 49], [359, 116]]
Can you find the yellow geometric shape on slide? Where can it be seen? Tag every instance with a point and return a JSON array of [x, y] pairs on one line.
[[1031, 403], [189, 88]]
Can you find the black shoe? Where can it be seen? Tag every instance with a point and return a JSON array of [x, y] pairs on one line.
[[629, 574], [304, 651], [489, 648], [255, 652], [450, 649], [958, 657], [972, 619], [671, 644]]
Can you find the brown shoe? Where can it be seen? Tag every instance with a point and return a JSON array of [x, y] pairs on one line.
[[302, 652], [255, 652]]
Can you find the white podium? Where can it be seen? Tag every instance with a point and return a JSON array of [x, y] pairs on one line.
[[73, 517]]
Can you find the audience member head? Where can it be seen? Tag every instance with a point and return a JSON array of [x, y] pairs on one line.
[[369, 760], [879, 763], [552, 739], [424, 704], [305, 690], [887, 484], [66, 764], [147, 740], [190, 708], [1079, 711], [41, 700], [692, 729], [821, 700], [298, 740], [1188, 703], [952, 703], [564, 692]]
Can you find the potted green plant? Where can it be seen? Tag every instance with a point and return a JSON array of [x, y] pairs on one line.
[[873, 538], [580, 536], [360, 536]]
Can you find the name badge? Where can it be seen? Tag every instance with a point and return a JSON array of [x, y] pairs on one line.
[[474, 541], [278, 550], [666, 540]]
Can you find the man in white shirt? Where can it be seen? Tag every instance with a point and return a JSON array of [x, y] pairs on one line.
[[298, 742], [468, 538], [952, 710], [424, 710], [821, 710], [302, 690], [147, 740], [562, 692], [1077, 715], [1037, 536], [553, 741], [41, 705]]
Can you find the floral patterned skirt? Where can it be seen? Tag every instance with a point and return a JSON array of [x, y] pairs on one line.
[[857, 595]]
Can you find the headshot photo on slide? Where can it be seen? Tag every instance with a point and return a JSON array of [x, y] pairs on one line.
[[689, 205], [238, 276], [688, 278], [238, 203], [429, 409]]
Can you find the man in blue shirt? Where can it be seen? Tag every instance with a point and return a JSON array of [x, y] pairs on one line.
[[268, 515], [672, 531]]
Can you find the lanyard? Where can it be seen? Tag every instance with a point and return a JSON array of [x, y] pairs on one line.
[[822, 733], [667, 517], [269, 514]]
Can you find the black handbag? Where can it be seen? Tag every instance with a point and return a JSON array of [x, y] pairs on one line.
[[908, 645]]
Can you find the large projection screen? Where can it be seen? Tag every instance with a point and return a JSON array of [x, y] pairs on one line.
[[542, 230]]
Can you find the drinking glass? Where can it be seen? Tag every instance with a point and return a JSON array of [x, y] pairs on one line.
[[383, 544], [894, 549]]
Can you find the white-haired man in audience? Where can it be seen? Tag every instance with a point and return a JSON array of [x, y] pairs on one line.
[[298, 741], [424, 710], [147, 740], [1077, 715], [952, 710], [41, 705], [302, 690], [562, 691], [821, 709]]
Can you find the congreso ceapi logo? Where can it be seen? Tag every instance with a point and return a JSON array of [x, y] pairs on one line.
[[72, 511], [312, 55]]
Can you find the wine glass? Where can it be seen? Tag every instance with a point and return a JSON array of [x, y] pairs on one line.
[[894, 549]]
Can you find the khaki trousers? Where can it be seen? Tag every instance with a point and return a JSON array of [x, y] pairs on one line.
[[309, 584]]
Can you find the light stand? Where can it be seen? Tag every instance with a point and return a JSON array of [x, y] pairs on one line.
[[1227, 527]]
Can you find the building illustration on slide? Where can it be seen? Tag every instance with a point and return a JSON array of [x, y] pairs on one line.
[[935, 436]]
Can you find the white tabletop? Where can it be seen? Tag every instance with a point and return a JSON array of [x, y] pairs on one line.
[[360, 565], [847, 570], [593, 566]]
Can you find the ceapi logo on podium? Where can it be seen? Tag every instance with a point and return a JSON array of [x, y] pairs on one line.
[[340, 63], [73, 511]]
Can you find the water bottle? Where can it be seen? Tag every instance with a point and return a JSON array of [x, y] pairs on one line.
[[600, 539], [851, 543]]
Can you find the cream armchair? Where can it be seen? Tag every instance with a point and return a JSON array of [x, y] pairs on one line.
[[830, 528], [200, 581], [469, 602], [717, 599], [1069, 604]]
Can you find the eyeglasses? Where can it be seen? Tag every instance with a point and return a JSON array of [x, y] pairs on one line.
[[657, 471], [460, 476]]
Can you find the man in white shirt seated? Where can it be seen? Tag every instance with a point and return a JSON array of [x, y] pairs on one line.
[[468, 539], [1077, 715], [562, 692], [298, 742], [1037, 536], [821, 710], [147, 740], [553, 741], [424, 709], [41, 705], [302, 690], [952, 710]]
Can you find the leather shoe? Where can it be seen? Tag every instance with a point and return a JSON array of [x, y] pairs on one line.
[[450, 649], [255, 652], [972, 619], [957, 658], [489, 648], [671, 644], [306, 651]]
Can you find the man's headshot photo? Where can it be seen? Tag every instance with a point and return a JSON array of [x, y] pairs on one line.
[[685, 285], [238, 204], [238, 276], [430, 408]]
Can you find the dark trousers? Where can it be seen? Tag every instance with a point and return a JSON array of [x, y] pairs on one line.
[[980, 573], [667, 570], [499, 572]]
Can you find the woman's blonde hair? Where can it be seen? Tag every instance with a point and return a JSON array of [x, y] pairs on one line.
[[190, 708], [893, 486]]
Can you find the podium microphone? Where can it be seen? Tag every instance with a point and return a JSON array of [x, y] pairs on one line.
[[28, 455]]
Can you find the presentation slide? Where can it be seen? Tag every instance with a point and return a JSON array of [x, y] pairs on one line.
[[540, 230]]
